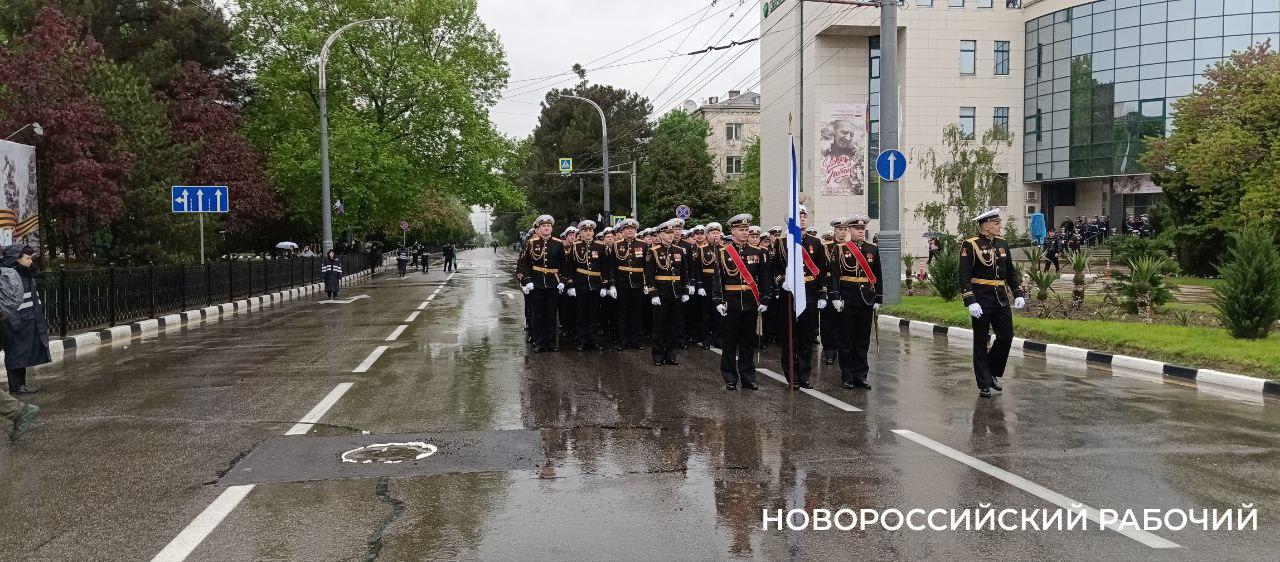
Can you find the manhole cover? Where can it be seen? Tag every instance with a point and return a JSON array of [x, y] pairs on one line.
[[389, 453]]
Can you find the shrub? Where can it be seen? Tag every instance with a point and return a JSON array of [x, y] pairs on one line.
[[1043, 282], [1125, 249], [908, 262], [944, 272], [1145, 289], [1079, 263], [1248, 300]]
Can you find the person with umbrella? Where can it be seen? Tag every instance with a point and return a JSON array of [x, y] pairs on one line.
[[331, 271]]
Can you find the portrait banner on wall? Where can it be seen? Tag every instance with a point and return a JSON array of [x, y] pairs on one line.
[[19, 205], [1134, 185], [842, 149]]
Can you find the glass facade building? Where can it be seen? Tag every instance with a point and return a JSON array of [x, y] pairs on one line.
[[1101, 76]]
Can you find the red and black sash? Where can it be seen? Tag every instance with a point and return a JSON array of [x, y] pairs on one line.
[[742, 267], [862, 261]]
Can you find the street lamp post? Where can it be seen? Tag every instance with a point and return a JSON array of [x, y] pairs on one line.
[[39, 131], [325, 210], [604, 135]]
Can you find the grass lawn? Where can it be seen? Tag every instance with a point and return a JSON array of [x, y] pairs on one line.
[[1192, 346], [1197, 281]]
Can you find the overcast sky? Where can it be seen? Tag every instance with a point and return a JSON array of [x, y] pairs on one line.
[[546, 37]]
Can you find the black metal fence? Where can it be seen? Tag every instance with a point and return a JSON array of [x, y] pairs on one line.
[[83, 299]]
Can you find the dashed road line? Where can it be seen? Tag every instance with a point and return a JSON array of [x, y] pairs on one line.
[[309, 420], [814, 393], [369, 361], [412, 317], [1144, 537], [396, 334], [423, 305]]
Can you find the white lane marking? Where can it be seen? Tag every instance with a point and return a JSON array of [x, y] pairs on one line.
[[181, 546], [1034, 489], [368, 361], [423, 305], [319, 410], [772, 375], [412, 317], [396, 334], [814, 393]]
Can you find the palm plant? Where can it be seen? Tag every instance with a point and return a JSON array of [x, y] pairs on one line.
[[1043, 280], [908, 261], [1145, 286], [1035, 257], [1078, 261]]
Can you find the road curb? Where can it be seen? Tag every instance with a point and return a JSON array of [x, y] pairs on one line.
[[191, 317], [1170, 371]]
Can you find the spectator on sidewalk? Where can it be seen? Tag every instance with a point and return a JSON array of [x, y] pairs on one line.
[[24, 329], [22, 415], [450, 257]]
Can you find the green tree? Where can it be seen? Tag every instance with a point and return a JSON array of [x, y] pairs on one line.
[[965, 178], [745, 191], [1220, 168], [569, 128], [1248, 300], [679, 171], [408, 107]]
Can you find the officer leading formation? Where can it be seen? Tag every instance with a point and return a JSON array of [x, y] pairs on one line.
[[669, 287]]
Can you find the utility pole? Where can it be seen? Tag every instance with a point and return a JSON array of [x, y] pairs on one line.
[[800, 112], [326, 214], [890, 235], [604, 137], [635, 212]]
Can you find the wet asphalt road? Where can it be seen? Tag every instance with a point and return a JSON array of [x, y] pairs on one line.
[[630, 461]]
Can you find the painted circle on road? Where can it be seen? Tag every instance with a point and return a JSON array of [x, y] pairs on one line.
[[389, 453]]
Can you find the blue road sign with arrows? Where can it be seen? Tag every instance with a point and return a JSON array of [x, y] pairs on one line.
[[891, 165], [201, 199]]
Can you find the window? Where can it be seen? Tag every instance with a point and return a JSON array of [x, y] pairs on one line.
[[955, 3], [1002, 58], [733, 131], [984, 3], [924, 3], [1000, 190], [967, 122], [1039, 60], [732, 165], [968, 57], [1000, 123]]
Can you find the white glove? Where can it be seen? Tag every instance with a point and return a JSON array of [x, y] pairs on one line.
[[875, 307], [822, 303], [572, 292], [702, 292], [838, 305], [655, 301], [684, 298], [723, 309], [604, 293], [560, 287], [691, 289], [527, 288], [613, 292], [1019, 302], [762, 308], [975, 310]]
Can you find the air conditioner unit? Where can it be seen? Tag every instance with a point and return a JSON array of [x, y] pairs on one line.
[[1033, 196]]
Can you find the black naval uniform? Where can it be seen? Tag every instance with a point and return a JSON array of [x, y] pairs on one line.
[[827, 317], [738, 327], [666, 277], [800, 347], [585, 271], [540, 263], [853, 285], [988, 278], [692, 309], [710, 328], [628, 277]]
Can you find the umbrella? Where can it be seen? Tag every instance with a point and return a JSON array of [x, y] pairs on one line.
[[287, 246], [931, 235]]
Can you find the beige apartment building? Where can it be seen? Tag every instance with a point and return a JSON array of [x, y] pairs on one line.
[[1078, 84], [735, 122]]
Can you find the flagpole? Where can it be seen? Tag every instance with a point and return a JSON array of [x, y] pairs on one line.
[[791, 298]]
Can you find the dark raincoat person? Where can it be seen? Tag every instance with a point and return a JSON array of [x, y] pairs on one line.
[[24, 329], [331, 271]]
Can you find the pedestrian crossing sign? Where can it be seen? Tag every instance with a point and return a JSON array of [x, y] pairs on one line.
[[566, 165], [616, 219]]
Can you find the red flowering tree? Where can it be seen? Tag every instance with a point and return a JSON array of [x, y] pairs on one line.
[[42, 79], [203, 117]]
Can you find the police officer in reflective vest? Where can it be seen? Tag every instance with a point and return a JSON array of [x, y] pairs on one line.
[[990, 285], [666, 282], [584, 272], [798, 348], [539, 268], [740, 290], [856, 291], [627, 284]]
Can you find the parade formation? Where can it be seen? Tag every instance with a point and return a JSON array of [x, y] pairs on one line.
[[675, 286]]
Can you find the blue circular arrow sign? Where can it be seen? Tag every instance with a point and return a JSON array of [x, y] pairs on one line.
[[891, 165]]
